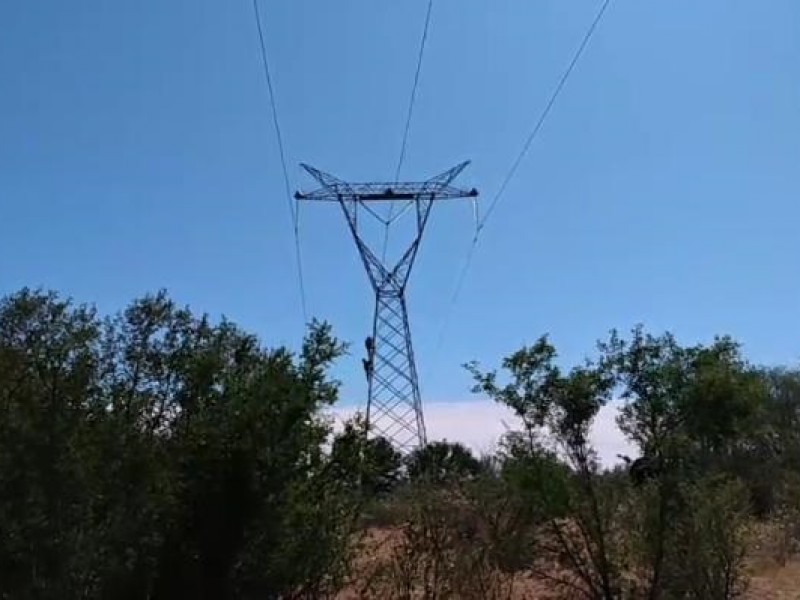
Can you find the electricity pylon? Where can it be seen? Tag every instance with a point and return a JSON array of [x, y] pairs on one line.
[[394, 407]]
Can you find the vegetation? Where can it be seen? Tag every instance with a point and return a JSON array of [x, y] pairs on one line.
[[155, 455]]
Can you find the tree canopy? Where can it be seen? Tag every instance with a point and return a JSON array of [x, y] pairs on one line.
[[155, 454]]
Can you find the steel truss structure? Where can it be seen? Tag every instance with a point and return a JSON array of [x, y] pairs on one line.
[[394, 406]]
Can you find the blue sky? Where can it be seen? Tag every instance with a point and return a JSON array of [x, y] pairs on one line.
[[137, 152]]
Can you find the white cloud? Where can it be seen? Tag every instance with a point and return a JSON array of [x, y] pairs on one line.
[[479, 424]]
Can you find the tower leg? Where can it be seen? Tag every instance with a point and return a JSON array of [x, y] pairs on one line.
[[394, 407]]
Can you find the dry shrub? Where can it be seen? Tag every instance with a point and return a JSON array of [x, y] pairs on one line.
[[692, 547], [775, 542], [568, 563], [787, 519], [441, 550], [700, 552], [776, 539]]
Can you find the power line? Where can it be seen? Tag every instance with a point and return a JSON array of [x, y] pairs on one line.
[[407, 129], [543, 117], [276, 122], [515, 165], [412, 99]]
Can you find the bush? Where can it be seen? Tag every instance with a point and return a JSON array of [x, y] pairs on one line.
[[154, 455], [459, 542], [708, 556]]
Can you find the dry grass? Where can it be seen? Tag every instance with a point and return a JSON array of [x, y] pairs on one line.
[[773, 564], [775, 583], [383, 547]]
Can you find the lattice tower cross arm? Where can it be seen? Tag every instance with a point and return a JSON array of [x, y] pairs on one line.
[[394, 408], [351, 196]]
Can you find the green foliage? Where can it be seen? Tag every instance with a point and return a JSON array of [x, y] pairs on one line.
[[157, 455], [707, 557], [154, 455], [698, 401], [769, 461], [533, 376], [370, 464], [706, 424], [561, 408], [442, 462]]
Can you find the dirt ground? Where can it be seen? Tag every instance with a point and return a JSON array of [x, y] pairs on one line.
[[768, 580], [772, 582]]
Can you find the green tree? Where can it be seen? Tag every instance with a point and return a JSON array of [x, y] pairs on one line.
[[155, 455], [370, 464], [560, 408], [442, 462], [689, 410]]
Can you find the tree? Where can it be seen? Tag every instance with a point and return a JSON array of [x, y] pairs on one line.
[[770, 460], [561, 408], [442, 461], [370, 464], [689, 410], [155, 455]]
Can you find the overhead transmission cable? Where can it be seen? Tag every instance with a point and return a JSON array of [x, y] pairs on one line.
[[293, 210], [480, 223], [407, 129], [543, 117]]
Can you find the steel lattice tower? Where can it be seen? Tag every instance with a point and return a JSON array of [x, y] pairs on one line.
[[394, 406]]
